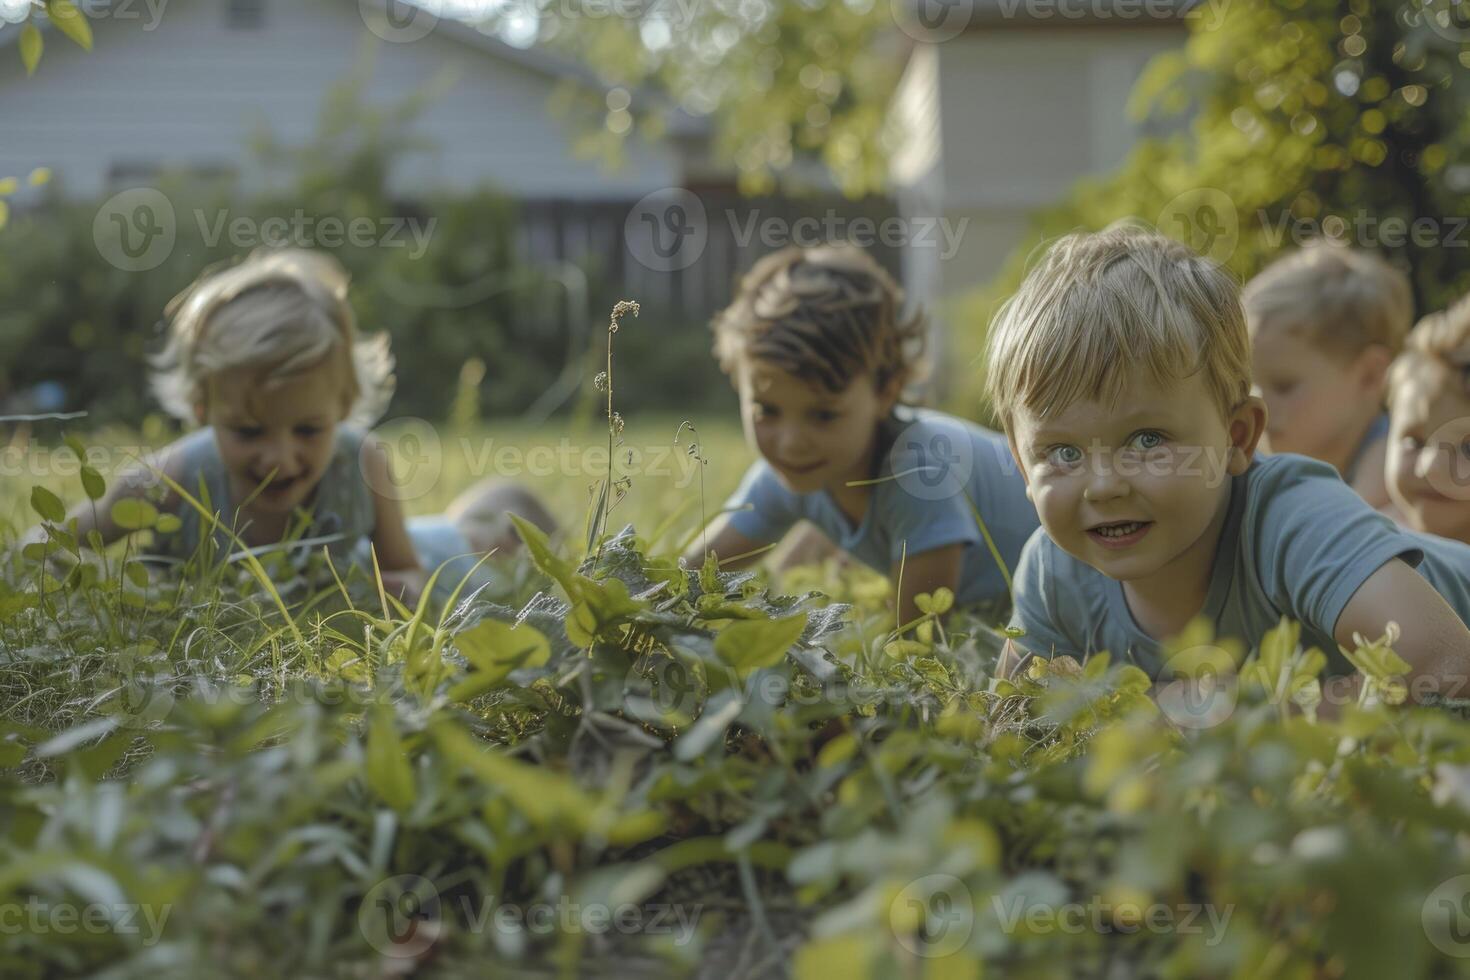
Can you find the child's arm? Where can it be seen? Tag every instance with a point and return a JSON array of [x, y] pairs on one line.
[[133, 482], [398, 561], [1432, 639], [925, 572]]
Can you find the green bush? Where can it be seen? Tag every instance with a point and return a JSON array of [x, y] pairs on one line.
[[455, 293], [759, 784]]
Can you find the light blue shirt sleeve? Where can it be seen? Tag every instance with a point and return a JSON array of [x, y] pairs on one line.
[[1039, 599], [925, 505], [1316, 541], [761, 508]]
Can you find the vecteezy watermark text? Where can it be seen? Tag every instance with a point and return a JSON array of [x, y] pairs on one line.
[[36, 916], [136, 230], [402, 916]]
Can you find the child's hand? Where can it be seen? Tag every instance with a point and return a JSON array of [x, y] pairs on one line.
[[406, 584]]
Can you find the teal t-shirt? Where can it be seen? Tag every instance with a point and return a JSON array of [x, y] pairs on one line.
[[1297, 541], [342, 515], [933, 466]]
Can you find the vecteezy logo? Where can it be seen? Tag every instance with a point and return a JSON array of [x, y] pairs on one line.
[[397, 21], [1203, 691], [667, 230], [1205, 219], [412, 459], [933, 458], [1445, 916], [135, 230], [932, 916], [1452, 479], [1447, 18], [663, 692], [932, 21], [400, 916]]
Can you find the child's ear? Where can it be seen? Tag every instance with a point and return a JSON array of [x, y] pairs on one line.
[[1372, 364], [891, 391], [1247, 425]]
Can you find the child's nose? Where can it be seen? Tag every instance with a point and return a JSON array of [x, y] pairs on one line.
[[280, 455], [793, 444], [1104, 482]]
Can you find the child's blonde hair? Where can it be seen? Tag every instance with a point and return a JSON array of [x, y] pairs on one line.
[[1337, 298], [1100, 304], [826, 314], [1442, 339], [279, 311]]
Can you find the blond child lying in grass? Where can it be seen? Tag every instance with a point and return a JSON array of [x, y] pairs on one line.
[[1121, 372], [820, 357], [1429, 437], [1325, 323], [265, 356]]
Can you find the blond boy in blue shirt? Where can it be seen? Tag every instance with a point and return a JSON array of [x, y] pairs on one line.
[[1121, 374]]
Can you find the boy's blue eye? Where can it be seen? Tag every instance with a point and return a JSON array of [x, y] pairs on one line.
[[1148, 440], [307, 431], [1065, 455]]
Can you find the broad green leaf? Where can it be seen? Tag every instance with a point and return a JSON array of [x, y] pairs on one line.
[[750, 644], [495, 649], [93, 483], [48, 505], [539, 548], [547, 798], [134, 514], [721, 710], [70, 21], [62, 538], [70, 739], [31, 46], [388, 770], [847, 956]]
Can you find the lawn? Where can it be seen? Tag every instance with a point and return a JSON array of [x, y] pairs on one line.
[[616, 766]]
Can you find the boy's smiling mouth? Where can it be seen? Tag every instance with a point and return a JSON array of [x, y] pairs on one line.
[[1119, 534], [278, 487]]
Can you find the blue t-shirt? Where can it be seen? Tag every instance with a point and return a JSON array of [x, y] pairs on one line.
[[1297, 541], [1377, 430], [343, 515], [933, 467]]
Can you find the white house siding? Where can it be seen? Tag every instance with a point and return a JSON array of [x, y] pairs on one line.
[[190, 92], [1024, 111]]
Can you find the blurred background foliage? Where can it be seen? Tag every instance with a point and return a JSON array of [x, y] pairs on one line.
[[1287, 118], [1308, 117], [76, 332]]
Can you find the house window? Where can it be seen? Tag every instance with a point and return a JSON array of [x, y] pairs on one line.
[[245, 15]]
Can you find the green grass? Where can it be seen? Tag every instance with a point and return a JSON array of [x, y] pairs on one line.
[[273, 774], [560, 461]]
